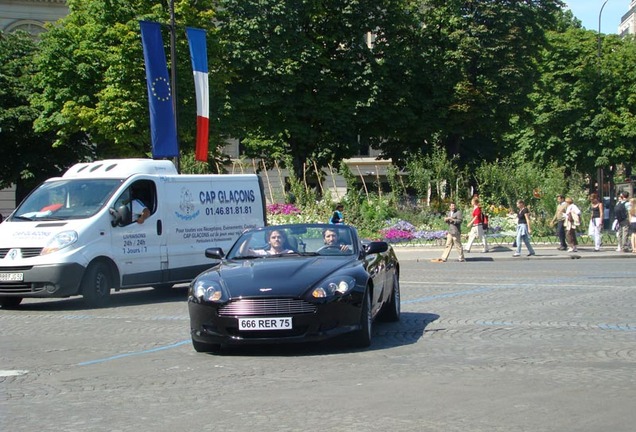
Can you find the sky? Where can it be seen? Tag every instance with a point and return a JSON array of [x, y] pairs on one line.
[[588, 10]]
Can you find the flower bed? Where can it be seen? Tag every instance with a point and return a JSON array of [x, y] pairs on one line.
[[405, 232]]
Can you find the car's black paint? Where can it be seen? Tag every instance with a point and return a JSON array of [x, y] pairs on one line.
[[289, 280]]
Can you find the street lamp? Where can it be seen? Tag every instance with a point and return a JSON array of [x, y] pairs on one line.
[[599, 29], [599, 172], [173, 76]]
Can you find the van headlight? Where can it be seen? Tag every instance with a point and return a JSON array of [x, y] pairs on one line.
[[59, 241], [334, 286]]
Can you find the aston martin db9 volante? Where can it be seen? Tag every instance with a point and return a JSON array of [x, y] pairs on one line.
[[294, 283]]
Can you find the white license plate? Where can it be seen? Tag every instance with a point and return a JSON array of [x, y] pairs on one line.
[[284, 323], [11, 277]]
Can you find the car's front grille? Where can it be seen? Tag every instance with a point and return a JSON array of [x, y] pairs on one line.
[[266, 307], [26, 252]]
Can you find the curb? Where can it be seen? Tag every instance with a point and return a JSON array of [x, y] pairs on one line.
[[505, 254]]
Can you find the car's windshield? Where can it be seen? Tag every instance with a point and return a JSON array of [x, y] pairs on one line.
[[295, 240], [66, 199]]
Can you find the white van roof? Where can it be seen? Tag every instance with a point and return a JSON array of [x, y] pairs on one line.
[[120, 168]]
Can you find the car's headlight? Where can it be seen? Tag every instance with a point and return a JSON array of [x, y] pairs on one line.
[[60, 241], [210, 291], [334, 286]]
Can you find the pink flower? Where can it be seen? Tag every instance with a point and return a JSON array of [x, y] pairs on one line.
[[284, 209]]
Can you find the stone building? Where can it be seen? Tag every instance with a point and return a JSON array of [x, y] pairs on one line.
[[628, 20], [30, 15]]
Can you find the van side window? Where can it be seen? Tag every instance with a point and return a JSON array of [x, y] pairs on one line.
[[142, 191], [146, 192]]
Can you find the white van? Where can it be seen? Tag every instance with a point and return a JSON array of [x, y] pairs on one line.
[[78, 234]]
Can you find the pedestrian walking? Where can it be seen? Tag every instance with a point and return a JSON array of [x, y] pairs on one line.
[[622, 222], [572, 221], [595, 228], [559, 221], [523, 229], [476, 227], [632, 223], [453, 235]]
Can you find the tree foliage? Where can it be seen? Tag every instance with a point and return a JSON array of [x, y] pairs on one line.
[[471, 69], [27, 156], [581, 112], [315, 80], [298, 72], [91, 77]]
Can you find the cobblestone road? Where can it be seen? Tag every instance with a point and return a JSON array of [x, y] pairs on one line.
[[493, 345]]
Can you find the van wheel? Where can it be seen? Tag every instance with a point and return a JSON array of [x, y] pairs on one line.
[[96, 285], [10, 302]]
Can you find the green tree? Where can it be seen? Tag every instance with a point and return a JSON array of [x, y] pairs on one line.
[[563, 104], [474, 67], [91, 79], [616, 119], [582, 110], [298, 70], [22, 148]]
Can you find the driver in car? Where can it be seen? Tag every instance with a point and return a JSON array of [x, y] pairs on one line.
[[278, 244], [331, 239]]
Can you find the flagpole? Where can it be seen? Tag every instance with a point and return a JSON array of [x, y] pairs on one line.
[[173, 76]]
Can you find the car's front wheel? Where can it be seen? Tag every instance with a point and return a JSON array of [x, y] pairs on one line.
[[362, 338]]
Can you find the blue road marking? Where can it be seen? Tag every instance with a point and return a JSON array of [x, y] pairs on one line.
[[91, 362]]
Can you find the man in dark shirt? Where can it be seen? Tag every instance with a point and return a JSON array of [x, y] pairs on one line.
[[620, 213]]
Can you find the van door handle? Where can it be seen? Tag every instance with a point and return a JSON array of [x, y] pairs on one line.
[[159, 227]]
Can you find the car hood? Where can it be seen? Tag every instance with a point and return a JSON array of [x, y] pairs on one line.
[[283, 276]]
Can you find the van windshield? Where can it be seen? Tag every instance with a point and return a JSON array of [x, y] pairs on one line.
[[66, 199]]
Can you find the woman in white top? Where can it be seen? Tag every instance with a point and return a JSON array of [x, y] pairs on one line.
[[572, 221], [595, 228], [632, 223]]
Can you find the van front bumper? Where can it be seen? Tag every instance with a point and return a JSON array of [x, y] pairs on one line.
[[55, 280]]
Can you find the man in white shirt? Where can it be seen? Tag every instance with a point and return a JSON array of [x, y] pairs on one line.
[[139, 211]]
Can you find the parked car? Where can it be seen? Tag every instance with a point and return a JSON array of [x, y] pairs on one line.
[[294, 283]]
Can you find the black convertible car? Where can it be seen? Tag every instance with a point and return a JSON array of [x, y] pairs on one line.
[[294, 283]]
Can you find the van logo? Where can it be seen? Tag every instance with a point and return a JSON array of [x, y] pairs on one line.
[[14, 254], [186, 206]]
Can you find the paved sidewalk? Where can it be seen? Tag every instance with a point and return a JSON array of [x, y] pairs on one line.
[[502, 252]]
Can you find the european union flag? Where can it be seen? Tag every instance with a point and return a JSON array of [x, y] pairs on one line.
[[163, 131]]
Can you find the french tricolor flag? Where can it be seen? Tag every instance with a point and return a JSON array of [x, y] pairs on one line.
[[199, 55]]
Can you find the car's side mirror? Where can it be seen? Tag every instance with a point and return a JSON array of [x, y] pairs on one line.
[[214, 253], [376, 247]]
